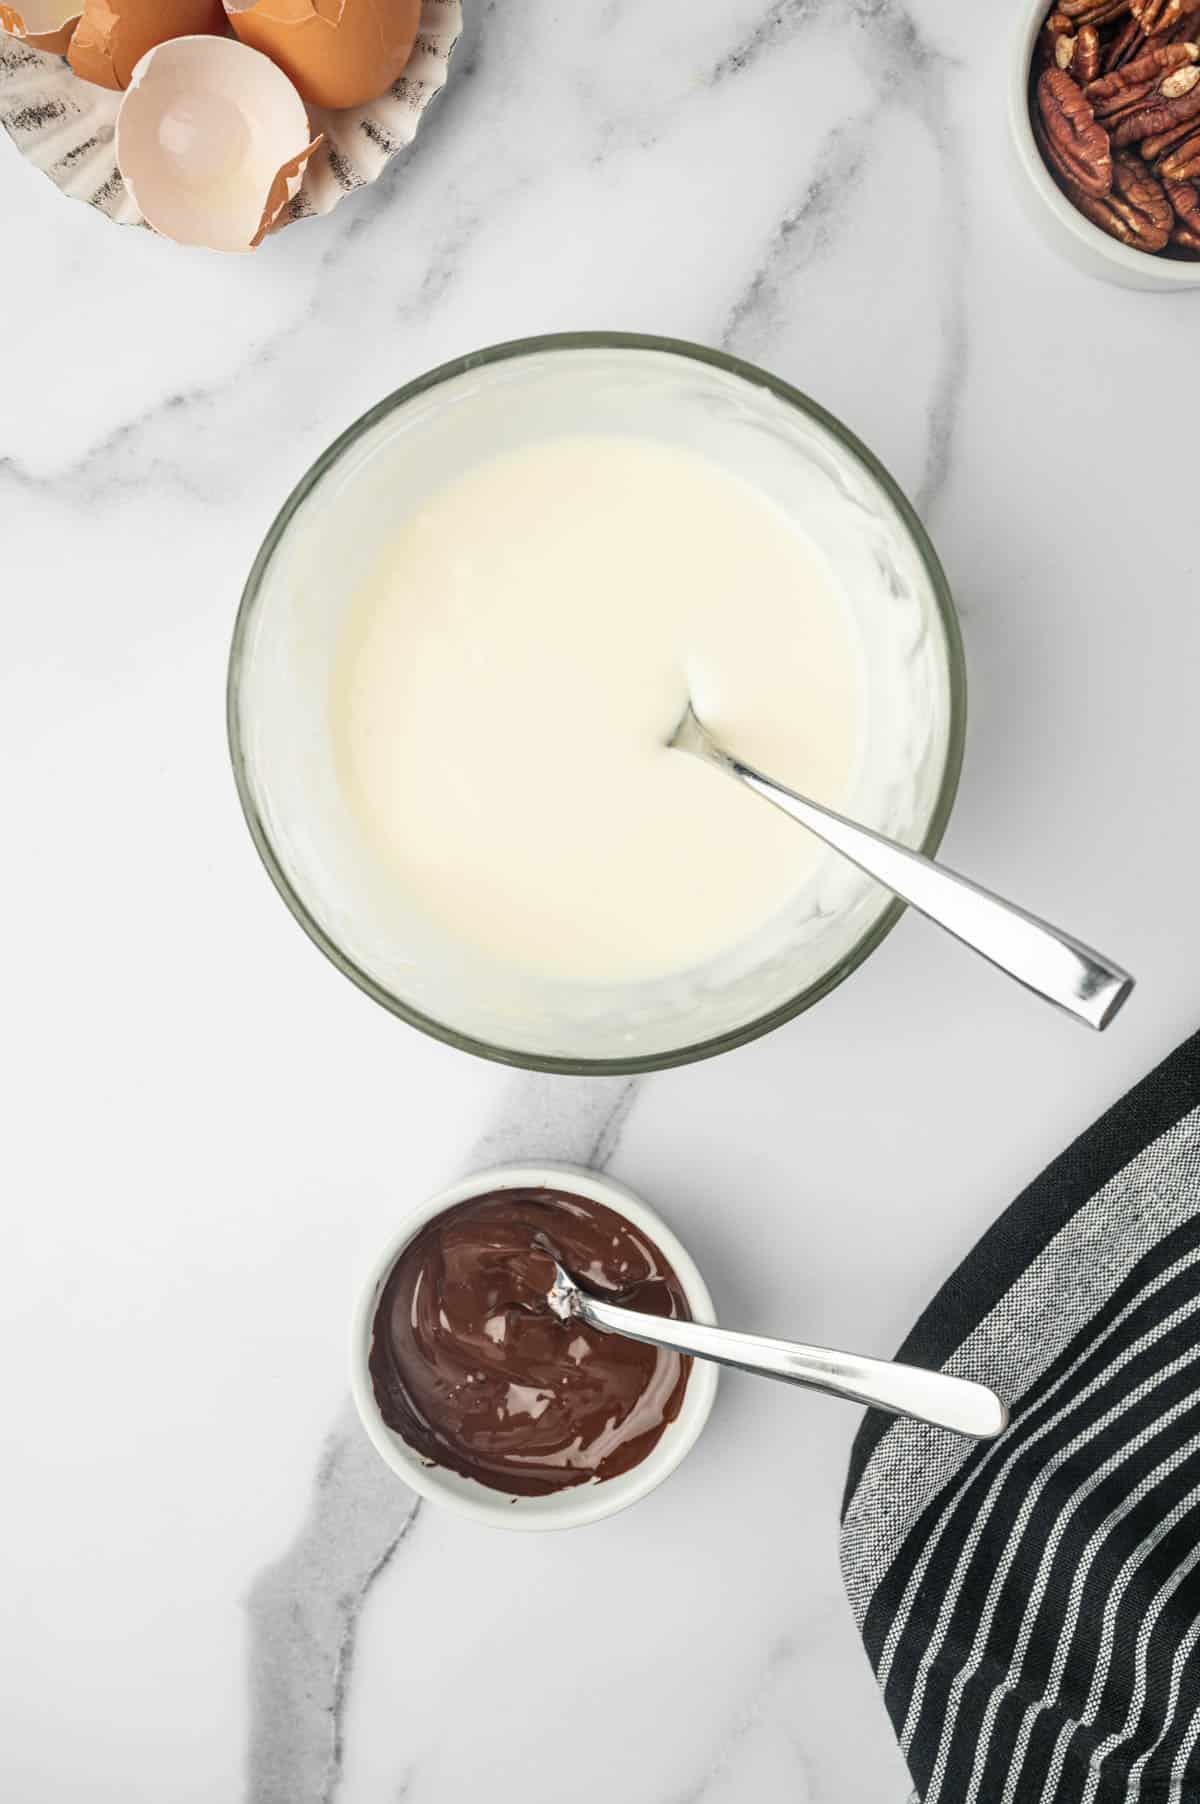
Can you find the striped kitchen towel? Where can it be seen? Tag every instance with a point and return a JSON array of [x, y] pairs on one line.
[[1031, 1605]]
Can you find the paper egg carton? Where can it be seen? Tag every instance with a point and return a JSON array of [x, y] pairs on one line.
[[65, 126]]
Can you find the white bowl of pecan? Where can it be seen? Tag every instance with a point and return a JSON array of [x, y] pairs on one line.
[[1104, 109]]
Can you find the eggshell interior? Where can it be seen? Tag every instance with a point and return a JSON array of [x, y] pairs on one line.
[[339, 53], [113, 35], [204, 131], [64, 127], [46, 24]]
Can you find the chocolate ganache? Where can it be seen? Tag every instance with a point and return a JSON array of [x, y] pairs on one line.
[[472, 1367]]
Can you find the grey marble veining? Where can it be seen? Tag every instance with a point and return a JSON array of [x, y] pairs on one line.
[[304, 1608], [304, 1612], [904, 70]]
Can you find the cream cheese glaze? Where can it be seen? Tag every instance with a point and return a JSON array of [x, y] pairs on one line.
[[587, 962], [513, 666]]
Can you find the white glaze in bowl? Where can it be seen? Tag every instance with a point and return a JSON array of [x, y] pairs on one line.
[[328, 534]]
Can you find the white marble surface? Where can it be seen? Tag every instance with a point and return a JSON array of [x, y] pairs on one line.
[[211, 1590]]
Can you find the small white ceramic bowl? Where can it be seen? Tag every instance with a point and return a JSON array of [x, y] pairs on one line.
[[582, 1503], [1067, 230]]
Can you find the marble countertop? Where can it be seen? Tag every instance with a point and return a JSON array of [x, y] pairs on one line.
[[212, 1588]]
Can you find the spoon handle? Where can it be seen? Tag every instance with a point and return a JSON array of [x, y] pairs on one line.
[[1051, 963], [935, 1397]]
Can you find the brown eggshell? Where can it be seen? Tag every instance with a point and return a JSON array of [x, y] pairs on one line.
[[339, 53], [113, 35], [287, 181], [41, 23]]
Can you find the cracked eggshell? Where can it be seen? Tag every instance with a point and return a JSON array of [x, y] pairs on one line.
[[211, 142], [112, 36], [64, 127], [339, 53], [46, 24]]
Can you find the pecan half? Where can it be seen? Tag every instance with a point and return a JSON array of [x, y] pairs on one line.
[[1078, 54], [1139, 77], [1184, 239], [1130, 92], [1185, 204], [1057, 27], [1094, 12], [1155, 16], [1085, 64], [1154, 147], [1078, 147], [1188, 26], [1165, 27], [1182, 162], [1159, 113], [1137, 212]]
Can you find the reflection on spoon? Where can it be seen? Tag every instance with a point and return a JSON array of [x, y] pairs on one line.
[[1047, 961]]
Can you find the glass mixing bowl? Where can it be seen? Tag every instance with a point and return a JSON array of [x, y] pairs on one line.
[[334, 526]]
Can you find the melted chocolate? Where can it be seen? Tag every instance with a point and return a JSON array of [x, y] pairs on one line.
[[472, 1367]]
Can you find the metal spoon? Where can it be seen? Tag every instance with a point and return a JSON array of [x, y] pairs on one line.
[[935, 1397], [1047, 961]]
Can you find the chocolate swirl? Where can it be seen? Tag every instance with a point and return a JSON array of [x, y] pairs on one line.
[[470, 1365]]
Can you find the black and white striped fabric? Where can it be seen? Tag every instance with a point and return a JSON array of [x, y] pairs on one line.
[[1031, 1606]]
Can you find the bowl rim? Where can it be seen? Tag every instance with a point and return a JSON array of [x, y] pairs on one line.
[[1143, 268], [955, 664], [582, 1504]]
